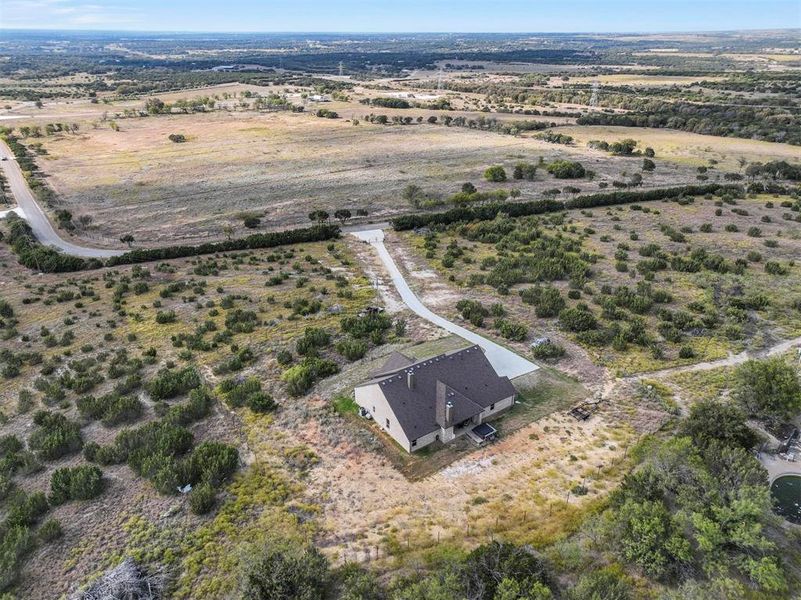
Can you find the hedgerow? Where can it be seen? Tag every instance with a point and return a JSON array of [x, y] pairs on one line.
[[518, 209], [34, 255]]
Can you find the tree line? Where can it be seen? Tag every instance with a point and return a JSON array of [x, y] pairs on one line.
[[34, 255], [490, 211]]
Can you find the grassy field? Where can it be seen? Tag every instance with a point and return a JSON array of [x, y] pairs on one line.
[[688, 149], [281, 166]]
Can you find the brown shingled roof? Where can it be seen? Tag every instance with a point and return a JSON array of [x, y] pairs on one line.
[[471, 381], [394, 363]]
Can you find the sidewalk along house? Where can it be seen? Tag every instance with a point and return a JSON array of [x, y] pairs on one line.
[[438, 398]]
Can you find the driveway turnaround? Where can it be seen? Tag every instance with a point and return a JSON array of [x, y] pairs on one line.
[[35, 216], [503, 360]]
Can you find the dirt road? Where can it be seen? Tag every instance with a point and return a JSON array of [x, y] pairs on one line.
[[33, 213], [503, 360], [730, 361]]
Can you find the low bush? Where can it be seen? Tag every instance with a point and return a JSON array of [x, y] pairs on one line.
[[548, 350], [300, 378], [78, 483], [247, 392], [352, 349], [55, 436], [202, 498], [169, 383]]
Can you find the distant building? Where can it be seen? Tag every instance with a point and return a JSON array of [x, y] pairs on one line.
[[438, 398]]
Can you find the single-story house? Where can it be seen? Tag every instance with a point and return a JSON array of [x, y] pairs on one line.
[[438, 398]]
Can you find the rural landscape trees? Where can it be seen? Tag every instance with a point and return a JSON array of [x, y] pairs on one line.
[[177, 413]]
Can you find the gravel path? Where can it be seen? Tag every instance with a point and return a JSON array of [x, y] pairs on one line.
[[502, 359], [730, 361]]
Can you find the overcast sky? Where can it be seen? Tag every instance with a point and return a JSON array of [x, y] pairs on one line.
[[400, 16]]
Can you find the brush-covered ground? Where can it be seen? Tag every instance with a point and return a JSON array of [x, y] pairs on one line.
[[243, 357], [661, 284]]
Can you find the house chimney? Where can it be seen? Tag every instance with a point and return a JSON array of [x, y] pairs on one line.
[[449, 412], [410, 379]]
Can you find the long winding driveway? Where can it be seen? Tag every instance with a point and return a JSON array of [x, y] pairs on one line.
[[504, 361], [33, 213]]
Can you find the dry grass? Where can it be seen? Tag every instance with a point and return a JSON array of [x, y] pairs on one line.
[[690, 149], [655, 80], [281, 165]]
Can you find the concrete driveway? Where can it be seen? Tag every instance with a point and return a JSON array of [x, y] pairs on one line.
[[503, 360], [35, 216]]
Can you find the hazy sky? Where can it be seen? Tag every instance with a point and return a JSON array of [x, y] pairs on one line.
[[401, 15]]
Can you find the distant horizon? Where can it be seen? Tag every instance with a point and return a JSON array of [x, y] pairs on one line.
[[399, 32], [413, 16]]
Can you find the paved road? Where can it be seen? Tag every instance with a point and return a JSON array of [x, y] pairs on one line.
[[35, 216], [502, 359]]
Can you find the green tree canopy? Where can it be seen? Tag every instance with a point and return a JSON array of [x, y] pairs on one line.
[[768, 389]]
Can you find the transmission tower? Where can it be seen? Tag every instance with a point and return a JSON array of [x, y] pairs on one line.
[[439, 80], [341, 68]]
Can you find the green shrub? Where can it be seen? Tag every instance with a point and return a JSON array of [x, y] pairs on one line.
[[284, 357], [566, 169], [55, 436], [511, 330], [313, 339], [16, 542], [548, 350], [212, 463], [352, 349], [50, 530], [202, 498], [278, 570], [495, 174], [25, 509], [78, 483], [165, 316], [365, 326], [607, 583], [247, 392], [169, 383], [300, 378], [112, 409], [577, 319], [774, 268], [199, 405]]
